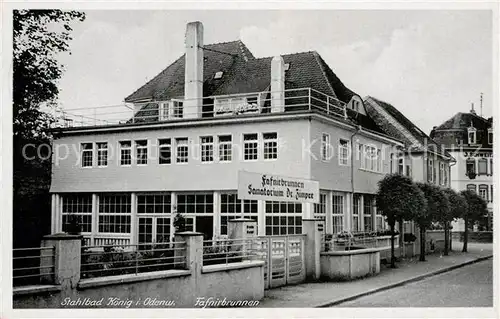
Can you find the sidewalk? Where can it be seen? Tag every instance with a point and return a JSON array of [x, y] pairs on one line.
[[331, 293]]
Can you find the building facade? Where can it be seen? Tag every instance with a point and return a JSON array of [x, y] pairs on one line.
[[215, 111], [469, 138]]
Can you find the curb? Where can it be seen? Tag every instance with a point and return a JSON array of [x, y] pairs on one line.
[[401, 283]]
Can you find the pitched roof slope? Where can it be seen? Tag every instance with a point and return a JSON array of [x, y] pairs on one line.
[[169, 83], [454, 130], [399, 126]]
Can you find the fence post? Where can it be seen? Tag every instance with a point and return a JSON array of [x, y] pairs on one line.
[[194, 250], [67, 258], [312, 248]]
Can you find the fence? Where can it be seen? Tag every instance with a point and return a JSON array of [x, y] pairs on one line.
[[110, 260], [32, 266], [300, 99], [226, 251]]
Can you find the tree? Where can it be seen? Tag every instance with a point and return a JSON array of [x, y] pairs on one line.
[[38, 37], [397, 199], [457, 208], [476, 209], [437, 207]]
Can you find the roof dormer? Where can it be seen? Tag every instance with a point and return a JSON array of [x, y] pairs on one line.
[[471, 134]]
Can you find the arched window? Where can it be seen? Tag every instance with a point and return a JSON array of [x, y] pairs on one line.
[[471, 187]]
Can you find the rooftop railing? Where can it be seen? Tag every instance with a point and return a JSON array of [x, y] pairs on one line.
[[251, 104]]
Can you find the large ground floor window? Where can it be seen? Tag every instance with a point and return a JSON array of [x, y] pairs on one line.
[[338, 211], [231, 207], [198, 211], [283, 218], [368, 206], [114, 213], [356, 200], [77, 212], [154, 219]]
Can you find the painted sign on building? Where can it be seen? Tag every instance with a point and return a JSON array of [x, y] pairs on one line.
[[262, 186]]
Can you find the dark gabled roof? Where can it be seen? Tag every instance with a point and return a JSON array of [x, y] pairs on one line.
[[463, 121], [454, 131], [424, 142], [169, 83], [243, 73]]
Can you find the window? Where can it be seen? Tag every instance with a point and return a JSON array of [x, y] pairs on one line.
[[207, 149], [491, 166], [114, 213], [153, 225], [483, 192], [325, 147], [491, 192], [147, 230], [408, 170], [482, 166], [471, 187], [367, 212], [391, 164], [77, 206], [163, 111], [87, 154], [182, 151], [441, 174], [250, 145], [165, 151], [102, 154], [446, 168], [338, 213], [343, 152], [270, 145], [125, 153], [369, 158], [401, 166], [154, 204], [430, 170], [470, 165], [231, 208], [379, 161], [218, 75], [490, 136], [356, 211], [379, 221], [225, 148], [177, 109], [283, 218], [195, 203], [320, 208], [471, 135], [141, 148]]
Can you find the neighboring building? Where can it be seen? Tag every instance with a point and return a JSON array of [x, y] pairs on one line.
[[211, 113], [469, 138], [422, 158]]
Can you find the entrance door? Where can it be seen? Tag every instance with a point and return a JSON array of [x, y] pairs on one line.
[[205, 225]]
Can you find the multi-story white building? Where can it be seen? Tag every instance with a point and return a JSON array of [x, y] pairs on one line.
[[215, 111], [469, 138]]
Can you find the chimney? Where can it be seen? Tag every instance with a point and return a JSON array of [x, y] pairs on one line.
[[193, 77], [472, 108], [277, 84]]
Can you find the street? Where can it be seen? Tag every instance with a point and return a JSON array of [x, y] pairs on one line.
[[469, 286]]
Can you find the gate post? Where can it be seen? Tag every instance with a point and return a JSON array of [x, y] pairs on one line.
[[242, 229], [312, 248]]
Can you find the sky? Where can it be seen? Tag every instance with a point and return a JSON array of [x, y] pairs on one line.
[[428, 64]]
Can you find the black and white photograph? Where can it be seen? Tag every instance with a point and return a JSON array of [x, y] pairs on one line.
[[258, 160]]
